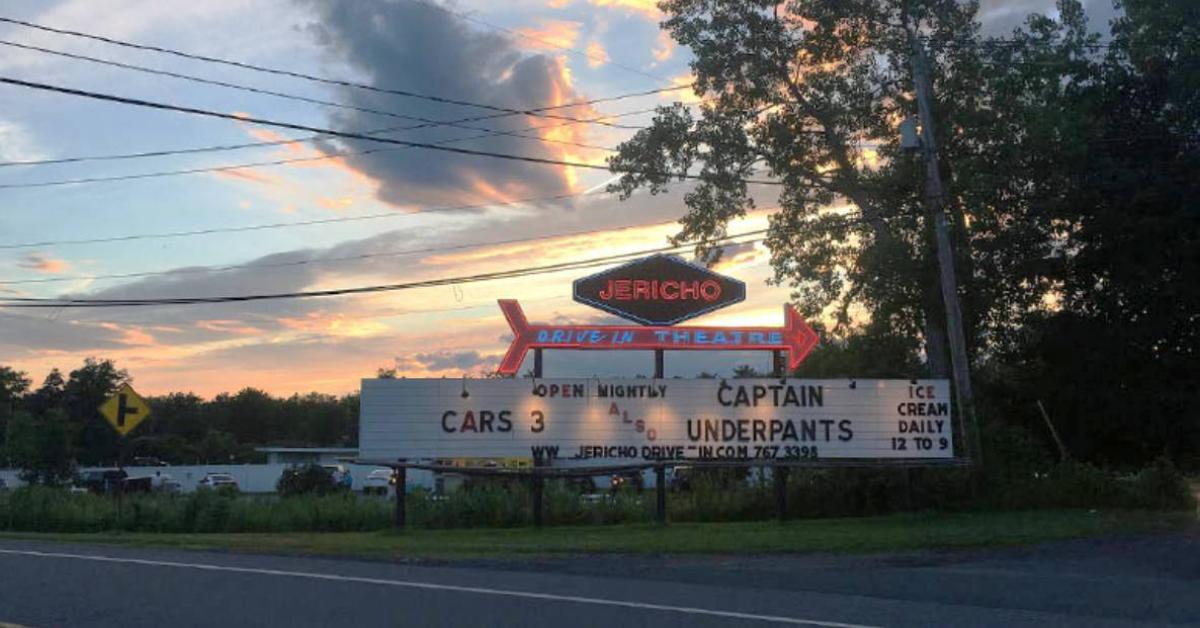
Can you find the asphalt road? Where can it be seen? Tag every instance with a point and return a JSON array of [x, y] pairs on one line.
[[1111, 582]]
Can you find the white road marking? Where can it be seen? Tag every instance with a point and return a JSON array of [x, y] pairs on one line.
[[430, 586]]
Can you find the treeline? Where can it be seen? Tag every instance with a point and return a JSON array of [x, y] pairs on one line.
[[53, 428]]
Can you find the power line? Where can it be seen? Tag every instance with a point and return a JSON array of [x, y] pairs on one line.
[[324, 260], [18, 302], [295, 97], [343, 134], [276, 162], [309, 138], [508, 111], [284, 225], [574, 51]]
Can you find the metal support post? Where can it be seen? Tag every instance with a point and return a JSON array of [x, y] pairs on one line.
[[780, 475], [658, 364], [777, 364], [660, 489], [401, 474], [538, 483], [537, 362]]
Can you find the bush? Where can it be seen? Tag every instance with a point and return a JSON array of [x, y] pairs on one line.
[[309, 479], [1161, 486], [507, 503]]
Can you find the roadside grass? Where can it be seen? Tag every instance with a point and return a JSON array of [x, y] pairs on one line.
[[849, 535]]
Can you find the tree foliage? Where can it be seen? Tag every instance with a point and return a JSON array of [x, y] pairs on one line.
[[1070, 168], [182, 429]]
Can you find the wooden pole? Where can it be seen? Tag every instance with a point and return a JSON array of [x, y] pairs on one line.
[[934, 198], [1062, 450]]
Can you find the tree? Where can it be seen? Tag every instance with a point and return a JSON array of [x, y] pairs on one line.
[[47, 397], [86, 389], [809, 93], [1116, 360], [40, 448], [13, 386]]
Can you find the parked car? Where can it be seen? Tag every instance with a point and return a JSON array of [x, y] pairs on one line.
[[217, 480], [101, 481], [378, 481], [148, 461]]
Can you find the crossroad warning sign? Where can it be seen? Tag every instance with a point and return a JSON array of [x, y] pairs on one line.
[[125, 410]]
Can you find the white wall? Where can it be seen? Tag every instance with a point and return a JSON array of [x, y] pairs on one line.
[[251, 478]]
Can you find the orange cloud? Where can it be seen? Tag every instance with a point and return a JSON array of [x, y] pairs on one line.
[[664, 47], [553, 34], [267, 135], [596, 54], [645, 8], [247, 174], [334, 324], [43, 263], [686, 96], [228, 327], [335, 203], [130, 335]]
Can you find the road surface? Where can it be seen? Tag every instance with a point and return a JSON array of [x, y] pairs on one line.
[[1135, 581]]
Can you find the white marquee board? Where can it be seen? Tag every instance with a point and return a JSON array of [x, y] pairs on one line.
[[605, 421]]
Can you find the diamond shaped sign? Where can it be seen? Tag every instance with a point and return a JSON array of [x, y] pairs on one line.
[[659, 290], [125, 410]]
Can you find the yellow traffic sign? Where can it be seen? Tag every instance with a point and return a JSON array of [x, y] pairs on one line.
[[125, 410]]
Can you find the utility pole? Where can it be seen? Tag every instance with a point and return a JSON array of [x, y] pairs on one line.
[[934, 199]]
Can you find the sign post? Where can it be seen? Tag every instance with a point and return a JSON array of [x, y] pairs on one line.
[[124, 411]]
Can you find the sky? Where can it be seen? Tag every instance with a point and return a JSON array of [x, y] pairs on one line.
[[383, 216]]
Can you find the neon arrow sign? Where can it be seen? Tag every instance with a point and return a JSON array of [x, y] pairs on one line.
[[795, 337]]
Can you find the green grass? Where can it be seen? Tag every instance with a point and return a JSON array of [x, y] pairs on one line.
[[858, 535]]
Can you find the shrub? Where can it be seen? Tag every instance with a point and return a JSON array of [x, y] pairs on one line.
[[1161, 486]]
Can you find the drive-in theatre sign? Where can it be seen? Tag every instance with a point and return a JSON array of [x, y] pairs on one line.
[[644, 419], [594, 421]]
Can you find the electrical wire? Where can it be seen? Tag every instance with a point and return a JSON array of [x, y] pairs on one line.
[[508, 111], [276, 94], [298, 223], [275, 162], [35, 302], [325, 260], [299, 140], [342, 134]]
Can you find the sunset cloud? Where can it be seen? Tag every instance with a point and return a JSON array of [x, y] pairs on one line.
[[410, 47], [664, 46], [644, 8], [42, 263], [596, 54], [552, 35]]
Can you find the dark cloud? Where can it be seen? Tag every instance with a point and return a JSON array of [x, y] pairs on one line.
[[409, 46], [44, 332]]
